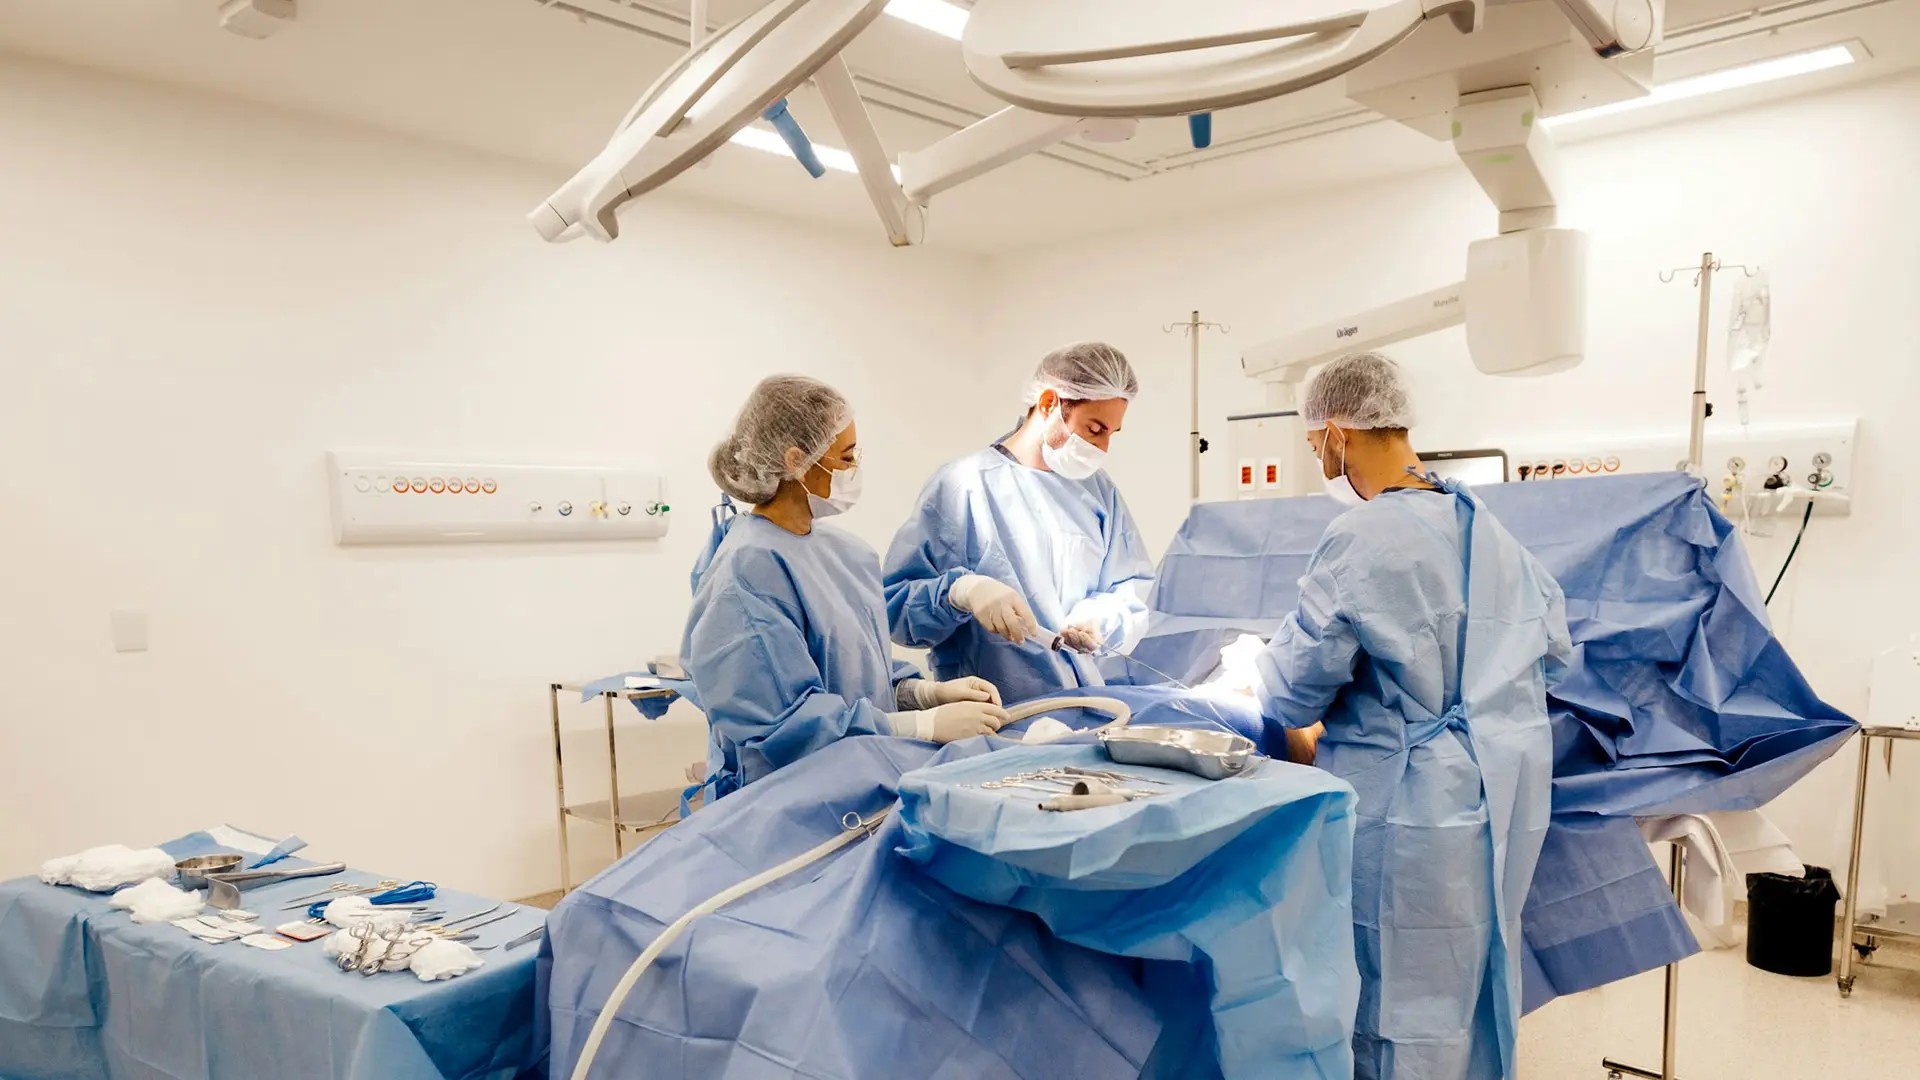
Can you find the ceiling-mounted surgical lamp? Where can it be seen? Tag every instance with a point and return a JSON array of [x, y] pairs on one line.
[[1068, 67]]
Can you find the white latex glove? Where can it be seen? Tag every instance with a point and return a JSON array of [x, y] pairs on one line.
[[928, 693], [1081, 638], [996, 606], [950, 723]]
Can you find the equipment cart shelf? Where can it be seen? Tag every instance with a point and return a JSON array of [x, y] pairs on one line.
[[643, 814], [1901, 920]]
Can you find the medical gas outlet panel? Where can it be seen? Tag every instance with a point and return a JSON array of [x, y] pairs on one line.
[[1772, 468], [395, 500]]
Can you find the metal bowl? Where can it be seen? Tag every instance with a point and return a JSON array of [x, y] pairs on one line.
[[193, 872], [1215, 755]]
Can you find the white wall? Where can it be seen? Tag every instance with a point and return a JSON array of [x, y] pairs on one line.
[[199, 298], [1818, 190]]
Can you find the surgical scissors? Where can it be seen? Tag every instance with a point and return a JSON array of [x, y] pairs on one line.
[[343, 888]]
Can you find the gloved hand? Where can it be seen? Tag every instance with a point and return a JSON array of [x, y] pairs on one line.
[[928, 693], [996, 605], [950, 723], [1081, 638]]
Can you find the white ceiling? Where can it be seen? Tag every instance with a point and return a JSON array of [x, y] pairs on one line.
[[546, 80]]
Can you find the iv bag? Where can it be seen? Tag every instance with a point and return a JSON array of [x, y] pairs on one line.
[[1748, 329]]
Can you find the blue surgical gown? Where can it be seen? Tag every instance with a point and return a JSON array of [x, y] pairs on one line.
[[787, 645], [1068, 546], [1424, 639]]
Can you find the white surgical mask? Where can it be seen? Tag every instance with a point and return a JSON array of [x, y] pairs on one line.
[[1338, 485], [843, 490], [1076, 459]]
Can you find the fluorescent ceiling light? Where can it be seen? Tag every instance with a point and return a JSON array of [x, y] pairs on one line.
[[759, 138], [947, 20], [1733, 78]]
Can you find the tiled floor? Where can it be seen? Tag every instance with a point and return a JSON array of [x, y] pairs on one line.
[[1738, 1023]]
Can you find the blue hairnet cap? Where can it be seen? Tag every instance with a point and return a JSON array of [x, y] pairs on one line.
[[1359, 391], [1084, 371]]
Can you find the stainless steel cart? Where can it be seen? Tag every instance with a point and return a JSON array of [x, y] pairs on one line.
[[645, 813], [1901, 920]]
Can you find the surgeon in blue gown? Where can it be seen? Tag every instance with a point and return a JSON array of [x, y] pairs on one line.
[[1026, 534], [787, 640], [1424, 641]]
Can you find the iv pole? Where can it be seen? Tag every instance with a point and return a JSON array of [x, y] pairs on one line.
[[1697, 421], [1193, 328], [1696, 459]]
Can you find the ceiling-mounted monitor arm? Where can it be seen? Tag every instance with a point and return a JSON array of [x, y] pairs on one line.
[[1523, 297], [1498, 137]]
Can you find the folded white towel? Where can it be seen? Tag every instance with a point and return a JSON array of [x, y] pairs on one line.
[[1046, 730], [60, 871], [444, 959], [104, 869], [154, 901]]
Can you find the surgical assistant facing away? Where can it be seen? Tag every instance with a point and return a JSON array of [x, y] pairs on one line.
[[1423, 639], [786, 642], [1028, 533]]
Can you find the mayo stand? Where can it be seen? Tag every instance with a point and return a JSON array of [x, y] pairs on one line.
[[1670, 1020], [645, 813], [1901, 920]]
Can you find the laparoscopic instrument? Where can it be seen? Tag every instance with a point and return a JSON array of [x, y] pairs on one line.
[[1058, 643]]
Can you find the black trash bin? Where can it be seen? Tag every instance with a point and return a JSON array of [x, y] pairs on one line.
[[1790, 922]]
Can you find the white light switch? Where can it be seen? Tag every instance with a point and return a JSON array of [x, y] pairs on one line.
[[129, 631]]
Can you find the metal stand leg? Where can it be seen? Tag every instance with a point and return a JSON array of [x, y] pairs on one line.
[[613, 780], [560, 792], [1669, 1036], [1849, 902]]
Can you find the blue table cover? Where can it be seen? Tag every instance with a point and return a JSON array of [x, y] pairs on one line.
[[86, 994]]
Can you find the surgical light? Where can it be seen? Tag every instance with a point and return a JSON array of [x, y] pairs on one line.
[[759, 138], [1733, 78], [947, 20]]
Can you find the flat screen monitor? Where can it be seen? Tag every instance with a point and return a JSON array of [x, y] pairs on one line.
[[1471, 467]]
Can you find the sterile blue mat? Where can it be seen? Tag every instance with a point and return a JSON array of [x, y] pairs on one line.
[[1678, 700], [86, 993], [653, 708], [1249, 878], [861, 966]]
